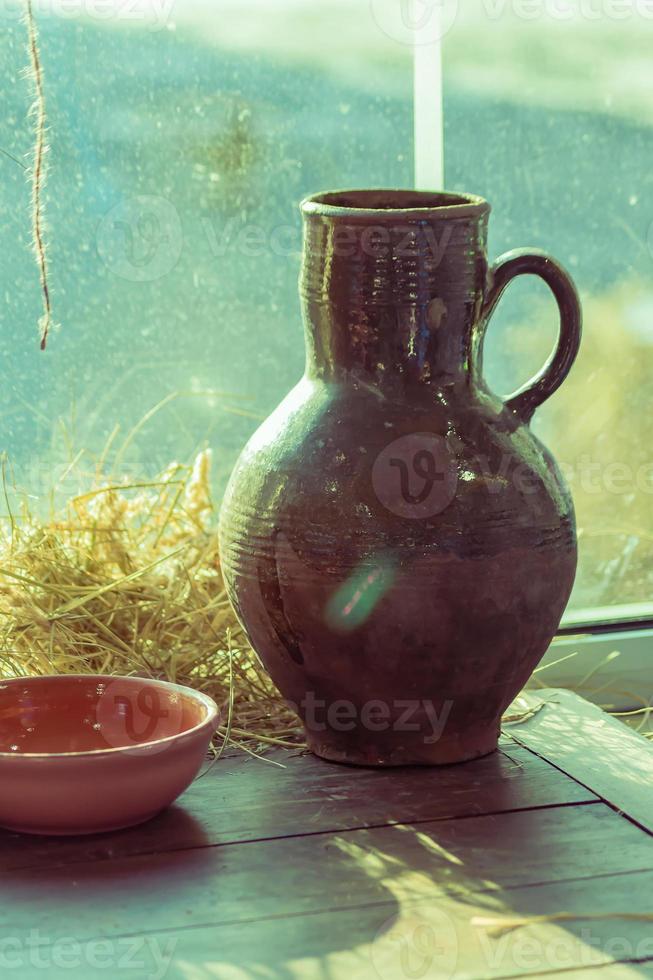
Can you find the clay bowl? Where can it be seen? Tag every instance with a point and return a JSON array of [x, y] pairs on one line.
[[82, 754]]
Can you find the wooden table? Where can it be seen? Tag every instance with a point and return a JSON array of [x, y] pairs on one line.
[[320, 871]]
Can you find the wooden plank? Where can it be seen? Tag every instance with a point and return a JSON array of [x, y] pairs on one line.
[[594, 749], [432, 940], [300, 875], [397, 939], [243, 799]]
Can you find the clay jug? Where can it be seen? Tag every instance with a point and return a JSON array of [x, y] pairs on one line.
[[396, 542]]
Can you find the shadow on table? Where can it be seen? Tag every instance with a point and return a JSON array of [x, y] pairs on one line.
[[92, 892], [22, 852]]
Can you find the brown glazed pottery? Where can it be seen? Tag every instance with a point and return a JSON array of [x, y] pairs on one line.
[[86, 753], [396, 542]]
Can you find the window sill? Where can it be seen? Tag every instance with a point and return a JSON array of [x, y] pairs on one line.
[[612, 666]]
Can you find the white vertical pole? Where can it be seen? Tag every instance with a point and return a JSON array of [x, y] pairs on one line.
[[429, 119]]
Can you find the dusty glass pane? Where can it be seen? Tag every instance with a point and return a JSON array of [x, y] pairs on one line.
[[183, 136], [548, 114], [184, 133]]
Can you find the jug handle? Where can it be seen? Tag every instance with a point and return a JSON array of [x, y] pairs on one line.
[[520, 262]]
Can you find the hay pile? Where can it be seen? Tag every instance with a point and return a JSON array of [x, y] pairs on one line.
[[126, 580]]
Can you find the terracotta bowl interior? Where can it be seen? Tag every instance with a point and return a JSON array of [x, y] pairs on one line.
[[53, 715]]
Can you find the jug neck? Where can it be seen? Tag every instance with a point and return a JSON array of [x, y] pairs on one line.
[[392, 285]]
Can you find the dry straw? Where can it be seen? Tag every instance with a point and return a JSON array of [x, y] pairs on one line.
[[500, 925], [126, 580]]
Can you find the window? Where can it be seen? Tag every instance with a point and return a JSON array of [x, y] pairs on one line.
[[184, 133]]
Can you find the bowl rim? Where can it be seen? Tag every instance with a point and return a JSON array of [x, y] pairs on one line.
[[204, 699]]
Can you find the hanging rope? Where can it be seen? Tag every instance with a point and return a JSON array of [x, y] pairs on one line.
[[39, 173]]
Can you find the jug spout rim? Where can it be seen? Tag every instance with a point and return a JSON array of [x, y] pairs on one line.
[[390, 204]]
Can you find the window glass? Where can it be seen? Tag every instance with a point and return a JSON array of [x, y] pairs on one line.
[[183, 133], [548, 114]]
